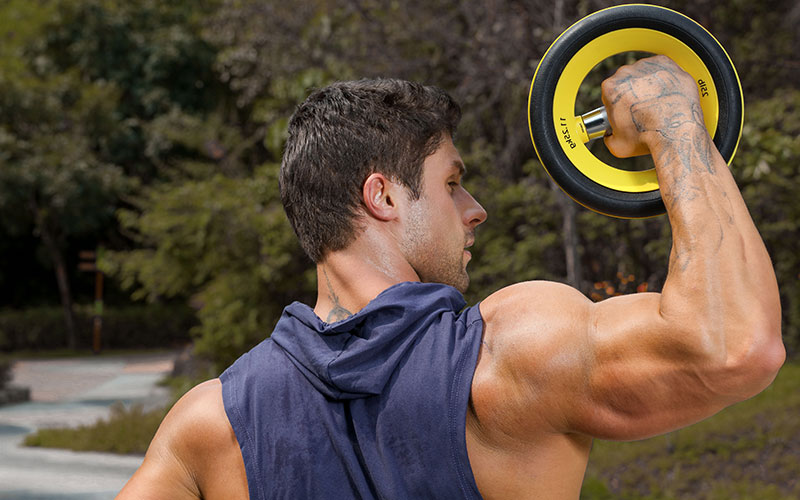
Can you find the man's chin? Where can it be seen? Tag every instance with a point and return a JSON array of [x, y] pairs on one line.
[[462, 284]]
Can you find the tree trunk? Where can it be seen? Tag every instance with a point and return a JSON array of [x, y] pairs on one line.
[[558, 15], [61, 275], [567, 206], [569, 211]]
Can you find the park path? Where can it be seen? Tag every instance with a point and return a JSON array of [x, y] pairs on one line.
[[73, 392]]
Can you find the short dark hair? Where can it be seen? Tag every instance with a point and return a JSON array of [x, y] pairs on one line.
[[343, 133]]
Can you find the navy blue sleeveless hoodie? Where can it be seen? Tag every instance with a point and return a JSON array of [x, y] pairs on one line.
[[371, 407]]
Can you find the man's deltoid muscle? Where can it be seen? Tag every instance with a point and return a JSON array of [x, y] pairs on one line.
[[391, 387]]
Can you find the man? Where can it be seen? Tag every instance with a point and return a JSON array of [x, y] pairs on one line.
[[388, 389]]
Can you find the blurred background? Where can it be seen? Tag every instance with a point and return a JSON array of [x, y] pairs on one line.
[[140, 142]]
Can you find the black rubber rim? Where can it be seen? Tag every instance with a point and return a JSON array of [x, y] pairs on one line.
[[582, 189]]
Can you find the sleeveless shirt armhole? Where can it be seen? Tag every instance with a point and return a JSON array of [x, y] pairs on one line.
[[460, 390], [232, 404]]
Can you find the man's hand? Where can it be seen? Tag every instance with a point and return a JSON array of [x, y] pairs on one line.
[[648, 103]]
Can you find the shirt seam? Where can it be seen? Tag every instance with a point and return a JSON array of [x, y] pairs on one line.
[[466, 486], [255, 471]]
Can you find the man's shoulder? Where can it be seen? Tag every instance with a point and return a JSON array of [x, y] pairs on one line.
[[193, 445], [527, 327], [540, 298], [197, 424], [202, 404], [205, 440]]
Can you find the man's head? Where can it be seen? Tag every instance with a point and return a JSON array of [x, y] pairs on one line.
[[343, 133], [438, 227]]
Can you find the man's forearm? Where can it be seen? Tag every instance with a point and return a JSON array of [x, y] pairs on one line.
[[720, 273], [720, 298]]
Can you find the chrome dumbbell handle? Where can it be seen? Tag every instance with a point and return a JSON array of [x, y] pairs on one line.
[[596, 123]]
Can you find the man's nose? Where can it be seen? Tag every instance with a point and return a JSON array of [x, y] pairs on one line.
[[474, 214]]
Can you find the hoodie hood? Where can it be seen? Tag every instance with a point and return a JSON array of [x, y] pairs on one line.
[[355, 357]]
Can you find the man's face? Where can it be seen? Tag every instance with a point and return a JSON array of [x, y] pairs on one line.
[[441, 224]]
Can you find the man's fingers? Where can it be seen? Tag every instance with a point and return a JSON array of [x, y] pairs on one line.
[[617, 147], [615, 88], [624, 148]]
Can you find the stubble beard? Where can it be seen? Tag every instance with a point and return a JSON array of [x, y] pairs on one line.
[[434, 260]]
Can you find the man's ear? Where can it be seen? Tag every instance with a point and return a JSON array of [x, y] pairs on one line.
[[380, 197]]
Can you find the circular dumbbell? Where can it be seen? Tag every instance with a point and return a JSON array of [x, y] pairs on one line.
[[560, 133]]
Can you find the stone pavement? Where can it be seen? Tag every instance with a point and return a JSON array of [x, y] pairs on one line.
[[73, 392]]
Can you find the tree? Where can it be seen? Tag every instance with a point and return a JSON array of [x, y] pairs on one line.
[[226, 244], [269, 56], [51, 181], [86, 86], [769, 179]]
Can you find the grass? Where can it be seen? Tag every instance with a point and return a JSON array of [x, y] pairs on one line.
[[750, 450], [126, 431]]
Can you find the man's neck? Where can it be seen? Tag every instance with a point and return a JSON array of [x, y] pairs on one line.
[[348, 280]]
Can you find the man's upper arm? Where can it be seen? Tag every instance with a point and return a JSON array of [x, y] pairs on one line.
[[615, 369], [193, 455]]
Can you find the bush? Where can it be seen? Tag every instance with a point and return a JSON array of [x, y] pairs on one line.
[[139, 326], [127, 430]]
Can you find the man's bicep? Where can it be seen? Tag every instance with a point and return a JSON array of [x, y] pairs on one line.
[[646, 375], [614, 369]]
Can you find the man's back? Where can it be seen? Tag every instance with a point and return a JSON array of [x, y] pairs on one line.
[[373, 406]]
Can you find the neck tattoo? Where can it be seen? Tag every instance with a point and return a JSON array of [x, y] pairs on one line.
[[338, 312]]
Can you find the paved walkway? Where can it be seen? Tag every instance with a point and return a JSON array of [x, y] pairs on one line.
[[73, 392]]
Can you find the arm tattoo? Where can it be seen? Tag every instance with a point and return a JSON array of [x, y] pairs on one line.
[[661, 107], [338, 312]]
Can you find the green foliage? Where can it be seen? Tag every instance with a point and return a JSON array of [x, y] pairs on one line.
[[136, 326], [519, 238], [127, 430], [49, 175], [766, 169], [226, 243], [152, 52], [762, 40], [595, 489], [52, 182], [21, 22], [177, 112], [745, 451]]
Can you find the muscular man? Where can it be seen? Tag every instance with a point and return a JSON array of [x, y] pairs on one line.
[[388, 388]]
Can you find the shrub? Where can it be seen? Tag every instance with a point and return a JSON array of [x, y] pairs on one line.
[[137, 326], [127, 430]]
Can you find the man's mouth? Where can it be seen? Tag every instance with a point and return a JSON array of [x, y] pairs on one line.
[[470, 241]]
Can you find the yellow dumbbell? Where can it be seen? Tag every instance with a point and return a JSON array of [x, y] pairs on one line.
[[560, 134]]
